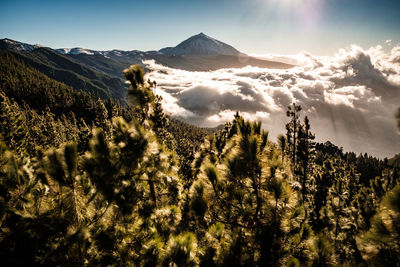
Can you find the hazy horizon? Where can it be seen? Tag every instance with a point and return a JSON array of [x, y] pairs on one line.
[[385, 45]]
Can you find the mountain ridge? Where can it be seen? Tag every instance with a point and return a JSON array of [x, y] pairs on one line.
[[200, 44], [197, 53]]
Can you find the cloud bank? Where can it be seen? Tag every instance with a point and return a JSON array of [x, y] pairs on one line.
[[350, 98]]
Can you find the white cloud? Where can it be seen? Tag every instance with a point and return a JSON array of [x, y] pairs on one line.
[[350, 98]]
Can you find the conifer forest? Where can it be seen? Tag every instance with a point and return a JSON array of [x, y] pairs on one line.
[[91, 180]]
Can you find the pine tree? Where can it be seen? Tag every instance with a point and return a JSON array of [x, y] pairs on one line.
[[338, 217], [381, 244], [282, 144], [13, 128], [245, 189], [20, 232], [322, 180], [140, 93], [305, 155], [137, 177], [101, 119], [292, 130], [59, 169]]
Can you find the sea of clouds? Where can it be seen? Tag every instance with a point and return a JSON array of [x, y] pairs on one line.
[[350, 98]]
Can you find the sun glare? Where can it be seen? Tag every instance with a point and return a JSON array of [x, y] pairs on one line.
[[284, 3], [306, 12], [289, 4]]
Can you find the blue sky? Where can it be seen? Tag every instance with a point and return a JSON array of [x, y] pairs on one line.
[[253, 26]]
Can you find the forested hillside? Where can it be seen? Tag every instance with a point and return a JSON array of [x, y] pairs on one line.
[[88, 181], [78, 72]]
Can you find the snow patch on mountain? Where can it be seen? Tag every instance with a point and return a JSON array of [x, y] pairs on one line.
[[77, 51], [18, 45]]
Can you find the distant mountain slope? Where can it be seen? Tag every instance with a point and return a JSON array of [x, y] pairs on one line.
[[99, 62], [27, 85], [66, 69], [215, 62]]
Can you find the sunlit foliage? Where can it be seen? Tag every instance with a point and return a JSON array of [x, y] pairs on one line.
[[91, 182]]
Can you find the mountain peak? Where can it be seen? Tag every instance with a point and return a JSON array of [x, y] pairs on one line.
[[200, 44]]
